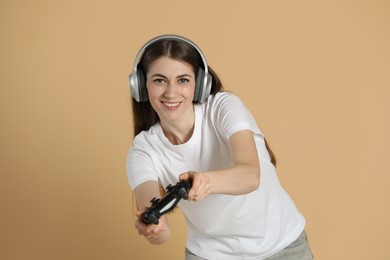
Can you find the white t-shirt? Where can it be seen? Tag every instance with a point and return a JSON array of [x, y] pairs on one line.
[[250, 226]]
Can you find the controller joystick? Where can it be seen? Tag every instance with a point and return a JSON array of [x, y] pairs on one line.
[[166, 204], [183, 192]]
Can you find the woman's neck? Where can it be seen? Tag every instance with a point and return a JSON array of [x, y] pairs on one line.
[[177, 137], [179, 132]]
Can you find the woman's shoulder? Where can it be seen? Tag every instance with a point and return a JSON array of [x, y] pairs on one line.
[[144, 138], [223, 98], [223, 95]]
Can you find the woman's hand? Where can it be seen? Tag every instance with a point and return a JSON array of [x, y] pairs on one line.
[[201, 186], [156, 234]]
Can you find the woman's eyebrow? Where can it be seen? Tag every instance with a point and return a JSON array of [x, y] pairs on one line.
[[184, 75], [159, 75], [178, 76]]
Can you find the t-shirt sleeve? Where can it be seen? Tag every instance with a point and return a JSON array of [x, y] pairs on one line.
[[139, 166], [232, 116]]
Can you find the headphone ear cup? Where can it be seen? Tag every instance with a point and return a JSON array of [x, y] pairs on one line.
[[143, 93], [199, 85]]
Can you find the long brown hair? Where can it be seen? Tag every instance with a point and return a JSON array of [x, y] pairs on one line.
[[144, 116]]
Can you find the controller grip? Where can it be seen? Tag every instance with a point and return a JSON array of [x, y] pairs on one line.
[[166, 204]]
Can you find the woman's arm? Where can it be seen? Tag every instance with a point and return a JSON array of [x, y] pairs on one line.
[[155, 234], [243, 177]]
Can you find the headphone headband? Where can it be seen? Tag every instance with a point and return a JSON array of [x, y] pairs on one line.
[[136, 83]]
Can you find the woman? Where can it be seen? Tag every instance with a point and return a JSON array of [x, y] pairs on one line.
[[187, 128]]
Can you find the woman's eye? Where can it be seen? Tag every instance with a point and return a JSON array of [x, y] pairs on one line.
[[159, 81], [183, 81]]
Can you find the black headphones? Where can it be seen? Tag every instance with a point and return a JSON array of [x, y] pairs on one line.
[[138, 81]]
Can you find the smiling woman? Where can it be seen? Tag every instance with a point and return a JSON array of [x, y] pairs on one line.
[[171, 85], [188, 129], [180, 50]]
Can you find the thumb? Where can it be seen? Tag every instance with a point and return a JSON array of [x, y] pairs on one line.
[[186, 176], [138, 214]]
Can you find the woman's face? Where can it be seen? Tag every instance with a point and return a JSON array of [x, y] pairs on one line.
[[171, 86]]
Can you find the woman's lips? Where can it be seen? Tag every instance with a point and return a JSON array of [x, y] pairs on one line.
[[171, 105]]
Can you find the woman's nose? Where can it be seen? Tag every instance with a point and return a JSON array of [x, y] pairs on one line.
[[170, 90]]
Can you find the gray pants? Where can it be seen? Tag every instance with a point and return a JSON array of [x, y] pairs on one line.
[[297, 250]]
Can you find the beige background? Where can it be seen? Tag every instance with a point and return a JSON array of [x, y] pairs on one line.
[[316, 75]]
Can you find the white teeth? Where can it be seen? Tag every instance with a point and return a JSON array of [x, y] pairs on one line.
[[171, 104]]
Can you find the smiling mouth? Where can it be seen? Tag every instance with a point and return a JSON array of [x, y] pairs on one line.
[[171, 105]]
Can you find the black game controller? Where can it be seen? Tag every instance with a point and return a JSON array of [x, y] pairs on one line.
[[166, 204]]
